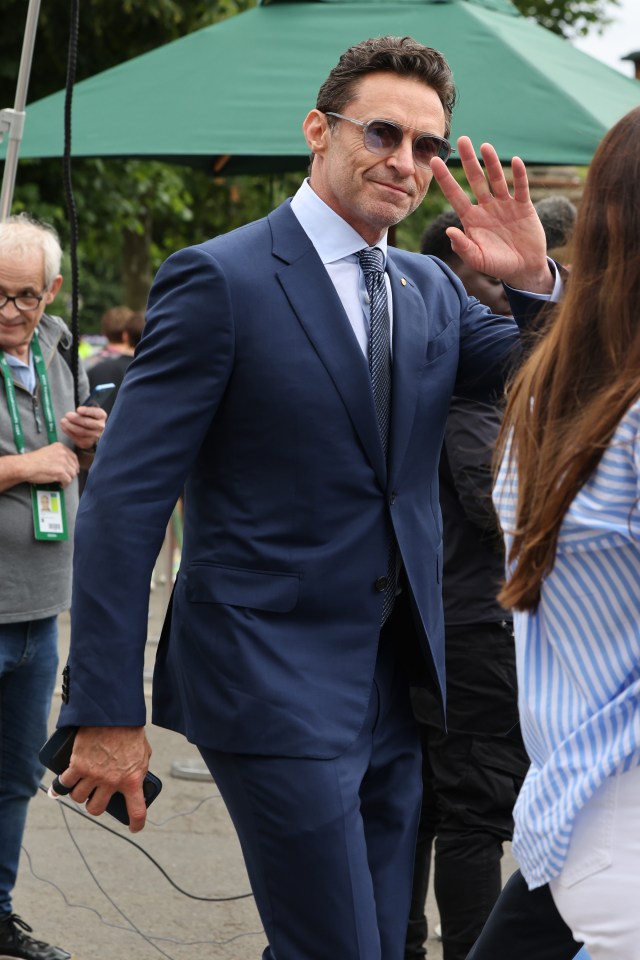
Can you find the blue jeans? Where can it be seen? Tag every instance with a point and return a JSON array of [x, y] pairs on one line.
[[28, 667]]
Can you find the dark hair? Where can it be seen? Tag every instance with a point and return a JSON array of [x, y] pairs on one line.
[[557, 216], [571, 393], [114, 322], [435, 241], [134, 327], [402, 56]]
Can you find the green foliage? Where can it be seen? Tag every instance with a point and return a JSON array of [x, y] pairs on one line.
[[174, 205], [568, 18], [170, 205], [110, 32]]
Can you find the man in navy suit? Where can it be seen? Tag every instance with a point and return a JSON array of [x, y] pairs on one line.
[[252, 390]]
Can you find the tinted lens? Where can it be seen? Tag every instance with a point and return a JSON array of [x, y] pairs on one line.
[[383, 137], [426, 148]]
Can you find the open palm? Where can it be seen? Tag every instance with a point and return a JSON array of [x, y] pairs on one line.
[[503, 236]]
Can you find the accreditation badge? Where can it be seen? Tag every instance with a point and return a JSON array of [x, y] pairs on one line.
[[49, 513]]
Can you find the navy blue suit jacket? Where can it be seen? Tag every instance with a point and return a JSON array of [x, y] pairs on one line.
[[250, 391]]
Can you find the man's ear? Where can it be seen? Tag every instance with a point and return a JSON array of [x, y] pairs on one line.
[[52, 292], [316, 131]]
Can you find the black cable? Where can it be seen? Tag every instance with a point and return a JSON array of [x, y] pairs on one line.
[[119, 926], [185, 893], [72, 214], [110, 899]]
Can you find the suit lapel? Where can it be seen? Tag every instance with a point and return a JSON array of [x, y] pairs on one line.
[[314, 300], [409, 352]]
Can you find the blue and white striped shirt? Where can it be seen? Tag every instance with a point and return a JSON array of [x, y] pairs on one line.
[[578, 655]]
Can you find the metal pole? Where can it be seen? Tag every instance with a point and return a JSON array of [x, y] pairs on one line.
[[13, 120]]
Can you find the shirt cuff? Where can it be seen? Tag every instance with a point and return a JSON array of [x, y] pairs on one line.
[[558, 286]]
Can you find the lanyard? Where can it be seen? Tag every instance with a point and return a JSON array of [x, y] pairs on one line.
[[47, 499], [12, 401]]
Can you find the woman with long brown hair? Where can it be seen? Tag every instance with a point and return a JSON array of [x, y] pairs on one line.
[[568, 496]]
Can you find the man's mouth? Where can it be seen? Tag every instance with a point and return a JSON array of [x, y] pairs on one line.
[[399, 188]]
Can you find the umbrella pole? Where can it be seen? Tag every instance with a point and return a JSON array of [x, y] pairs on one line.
[[12, 121]]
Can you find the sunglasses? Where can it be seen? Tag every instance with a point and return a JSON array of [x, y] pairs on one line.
[[383, 137]]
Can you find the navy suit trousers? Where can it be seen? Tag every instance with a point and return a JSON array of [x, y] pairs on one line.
[[329, 844]]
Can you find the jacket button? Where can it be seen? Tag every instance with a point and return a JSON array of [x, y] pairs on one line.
[[392, 498], [381, 584]]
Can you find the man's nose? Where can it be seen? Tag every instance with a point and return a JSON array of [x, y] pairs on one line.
[[402, 158]]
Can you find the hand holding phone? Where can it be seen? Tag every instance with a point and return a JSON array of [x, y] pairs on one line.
[[56, 756]]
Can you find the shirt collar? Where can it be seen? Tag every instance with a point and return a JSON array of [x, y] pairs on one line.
[[16, 362], [333, 238]]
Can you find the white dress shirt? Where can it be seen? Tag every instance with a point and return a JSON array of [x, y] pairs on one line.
[[336, 244]]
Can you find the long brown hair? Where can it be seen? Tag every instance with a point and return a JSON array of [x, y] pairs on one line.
[[584, 373]]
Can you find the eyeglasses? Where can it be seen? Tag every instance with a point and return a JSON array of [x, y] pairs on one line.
[[21, 302], [383, 137]]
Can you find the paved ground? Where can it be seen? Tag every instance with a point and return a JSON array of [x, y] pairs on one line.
[[97, 895]]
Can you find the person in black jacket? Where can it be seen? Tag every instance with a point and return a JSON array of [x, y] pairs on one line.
[[472, 773]]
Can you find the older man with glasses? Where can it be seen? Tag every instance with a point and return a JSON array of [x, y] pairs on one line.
[[43, 441]]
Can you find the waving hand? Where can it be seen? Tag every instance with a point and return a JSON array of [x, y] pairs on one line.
[[503, 236]]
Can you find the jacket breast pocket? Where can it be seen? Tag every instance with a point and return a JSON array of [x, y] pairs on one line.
[[443, 342], [239, 587]]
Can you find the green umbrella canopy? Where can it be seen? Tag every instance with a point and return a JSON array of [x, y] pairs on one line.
[[232, 96]]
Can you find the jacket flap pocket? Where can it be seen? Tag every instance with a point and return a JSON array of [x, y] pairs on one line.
[[443, 342], [214, 583]]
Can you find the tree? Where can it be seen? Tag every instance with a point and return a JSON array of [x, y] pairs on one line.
[[111, 31], [131, 213], [568, 18]]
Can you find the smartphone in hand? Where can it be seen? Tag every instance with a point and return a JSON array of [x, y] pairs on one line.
[[99, 395], [56, 756]]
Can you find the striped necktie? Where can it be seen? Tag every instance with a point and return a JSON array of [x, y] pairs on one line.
[[372, 263]]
